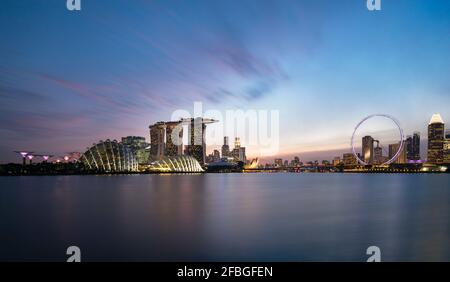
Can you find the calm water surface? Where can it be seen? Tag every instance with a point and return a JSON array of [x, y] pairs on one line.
[[264, 217]]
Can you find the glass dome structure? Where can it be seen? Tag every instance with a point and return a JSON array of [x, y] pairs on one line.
[[176, 164], [110, 156]]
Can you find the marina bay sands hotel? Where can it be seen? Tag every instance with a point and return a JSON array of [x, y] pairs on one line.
[[166, 138]]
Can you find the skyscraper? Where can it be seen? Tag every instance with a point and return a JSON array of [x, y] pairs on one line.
[[196, 136], [416, 146], [436, 140], [157, 134], [216, 155], [447, 147], [409, 147], [238, 152], [378, 155], [196, 146], [447, 151], [367, 149], [393, 149], [237, 143], [225, 147], [174, 138], [166, 138]]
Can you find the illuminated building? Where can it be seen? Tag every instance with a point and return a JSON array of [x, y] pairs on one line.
[[367, 149], [225, 147], [416, 146], [196, 137], [237, 143], [401, 158], [166, 139], [412, 144], [134, 142], [110, 156], [336, 161], [447, 151], [409, 147], [174, 138], [238, 152], [242, 156], [378, 155], [253, 164], [296, 161], [278, 162], [349, 159], [216, 155], [139, 147], [157, 135], [436, 140]]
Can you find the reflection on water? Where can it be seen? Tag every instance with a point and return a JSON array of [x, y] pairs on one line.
[[264, 217]]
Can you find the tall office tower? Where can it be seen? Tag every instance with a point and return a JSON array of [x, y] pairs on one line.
[[367, 149], [196, 147], [157, 134], [393, 149], [409, 147], [242, 157], [237, 143], [416, 146], [196, 136], [447, 151], [238, 152], [447, 147], [225, 147], [174, 138], [436, 140], [378, 155]]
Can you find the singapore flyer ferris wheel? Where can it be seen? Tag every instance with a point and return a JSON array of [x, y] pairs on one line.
[[392, 158]]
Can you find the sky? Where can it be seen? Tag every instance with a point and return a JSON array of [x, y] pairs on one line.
[[71, 78]]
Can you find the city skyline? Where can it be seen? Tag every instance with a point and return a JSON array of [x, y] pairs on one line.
[[161, 131], [71, 79]]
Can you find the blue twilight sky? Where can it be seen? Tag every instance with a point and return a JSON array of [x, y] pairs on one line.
[[68, 79]]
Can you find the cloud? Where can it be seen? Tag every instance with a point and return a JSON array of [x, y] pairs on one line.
[[13, 94]]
